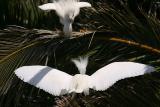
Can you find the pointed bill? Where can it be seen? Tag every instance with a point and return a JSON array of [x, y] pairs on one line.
[[67, 29]]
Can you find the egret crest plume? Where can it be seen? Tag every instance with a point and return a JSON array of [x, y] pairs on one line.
[[58, 83], [67, 10], [81, 63]]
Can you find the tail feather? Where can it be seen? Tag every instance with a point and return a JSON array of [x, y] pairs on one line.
[[81, 63]]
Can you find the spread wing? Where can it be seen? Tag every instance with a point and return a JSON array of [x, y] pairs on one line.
[[110, 74], [83, 4], [48, 6], [50, 80]]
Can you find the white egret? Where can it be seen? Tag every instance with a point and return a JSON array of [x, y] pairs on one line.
[[67, 10], [59, 83]]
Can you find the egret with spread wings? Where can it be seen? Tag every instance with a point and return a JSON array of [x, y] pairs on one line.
[[58, 83]]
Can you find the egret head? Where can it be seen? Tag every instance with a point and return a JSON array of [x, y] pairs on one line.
[[67, 10], [67, 21]]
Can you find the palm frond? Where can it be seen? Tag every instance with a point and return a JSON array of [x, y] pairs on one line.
[[103, 49], [122, 32]]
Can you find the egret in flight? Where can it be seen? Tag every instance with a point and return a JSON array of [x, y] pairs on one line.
[[58, 83], [67, 10]]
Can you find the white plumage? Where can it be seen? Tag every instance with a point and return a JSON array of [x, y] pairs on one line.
[[81, 63], [67, 10], [50, 80], [58, 83], [110, 74]]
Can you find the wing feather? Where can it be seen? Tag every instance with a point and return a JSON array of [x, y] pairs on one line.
[[48, 6], [50, 80], [83, 4], [110, 74]]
